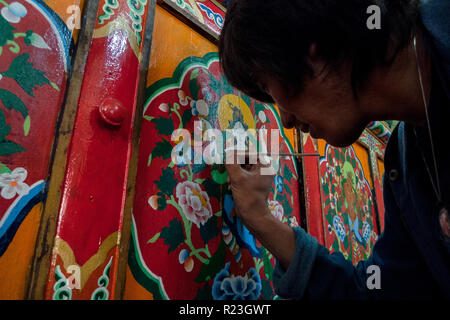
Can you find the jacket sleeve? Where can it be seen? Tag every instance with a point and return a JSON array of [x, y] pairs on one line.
[[315, 274]]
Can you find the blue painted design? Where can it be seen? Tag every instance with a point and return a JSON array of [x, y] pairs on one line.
[[17, 212], [229, 287], [243, 236], [64, 32], [216, 17]]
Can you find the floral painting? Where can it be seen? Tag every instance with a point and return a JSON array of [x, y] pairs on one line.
[[187, 241], [348, 204], [34, 48]]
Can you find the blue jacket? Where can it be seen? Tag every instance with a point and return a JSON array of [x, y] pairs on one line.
[[412, 254]]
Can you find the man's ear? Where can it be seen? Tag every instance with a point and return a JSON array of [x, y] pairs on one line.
[[315, 61], [313, 52]]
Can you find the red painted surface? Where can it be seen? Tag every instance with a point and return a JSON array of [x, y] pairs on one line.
[[312, 192], [94, 188]]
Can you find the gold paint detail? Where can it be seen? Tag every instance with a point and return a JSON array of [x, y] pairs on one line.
[[233, 109], [121, 23], [63, 249], [197, 11]]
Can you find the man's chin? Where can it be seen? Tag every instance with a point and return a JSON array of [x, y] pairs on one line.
[[344, 140]]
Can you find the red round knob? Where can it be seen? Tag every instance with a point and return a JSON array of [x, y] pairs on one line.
[[112, 111]]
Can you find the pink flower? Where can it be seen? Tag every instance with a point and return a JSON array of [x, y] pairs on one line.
[[277, 210], [194, 202]]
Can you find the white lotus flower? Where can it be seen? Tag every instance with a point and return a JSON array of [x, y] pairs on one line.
[[13, 183]]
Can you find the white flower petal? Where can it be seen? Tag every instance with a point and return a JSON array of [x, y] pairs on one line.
[[9, 16], [22, 189], [8, 192], [18, 9], [19, 174]]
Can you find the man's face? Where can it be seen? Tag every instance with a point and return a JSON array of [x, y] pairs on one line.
[[326, 107]]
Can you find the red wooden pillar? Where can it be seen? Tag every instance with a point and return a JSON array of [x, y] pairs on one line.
[[90, 221]]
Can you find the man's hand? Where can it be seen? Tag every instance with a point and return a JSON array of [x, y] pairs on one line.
[[250, 189], [250, 185]]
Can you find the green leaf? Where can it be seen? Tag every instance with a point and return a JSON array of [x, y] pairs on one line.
[[186, 117], [150, 158], [4, 169], [8, 147], [212, 188], [11, 101], [6, 31], [4, 128], [268, 267], [326, 189], [194, 73], [287, 188], [154, 238], [149, 118], [329, 217], [26, 125], [209, 230], [335, 245], [55, 86], [26, 76], [162, 201], [173, 235], [267, 290], [219, 178], [164, 126], [214, 265], [167, 182], [345, 243], [339, 205], [287, 173], [194, 88], [163, 149], [204, 293]]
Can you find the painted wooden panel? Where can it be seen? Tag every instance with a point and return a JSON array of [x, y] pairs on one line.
[[186, 239], [349, 192], [34, 65], [86, 253], [207, 13]]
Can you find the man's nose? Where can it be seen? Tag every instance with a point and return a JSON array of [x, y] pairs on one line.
[[287, 119]]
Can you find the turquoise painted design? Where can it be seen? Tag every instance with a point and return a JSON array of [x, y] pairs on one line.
[[108, 9], [102, 293], [137, 10], [62, 291]]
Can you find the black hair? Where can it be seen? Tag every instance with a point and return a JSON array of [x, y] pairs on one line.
[[273, 37]]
